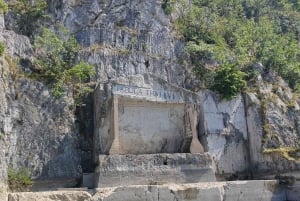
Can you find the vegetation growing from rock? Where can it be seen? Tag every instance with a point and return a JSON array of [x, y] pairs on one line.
[[167, 6], [242, 33], [18, 180], [2, 48], [29, 14], [3, 7], [57, 60], [229, 81], [286, 152]]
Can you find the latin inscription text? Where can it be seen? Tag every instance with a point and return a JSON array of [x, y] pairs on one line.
[[158, 95]]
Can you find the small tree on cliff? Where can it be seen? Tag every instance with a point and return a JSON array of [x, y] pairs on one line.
[[57, 58], [229, 81]]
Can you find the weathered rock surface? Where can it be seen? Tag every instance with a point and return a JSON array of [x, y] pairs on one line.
[[242, 135], [3, 119], [281, 112], [272, 120], [223, 127], [215, 191], [124, 37], [128, 40], [37, 131], [124, 170], [50, 196]]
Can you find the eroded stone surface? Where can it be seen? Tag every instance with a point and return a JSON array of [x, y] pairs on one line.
[[37, 132], [146, 127], [224, 128], [213, 191], [50, 196], [124, 170], [127, 41]]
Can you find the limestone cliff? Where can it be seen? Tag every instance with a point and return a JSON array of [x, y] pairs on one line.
[[123, 38], [120, 38], [37, 131]]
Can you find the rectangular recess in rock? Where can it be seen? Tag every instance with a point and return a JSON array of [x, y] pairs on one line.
[[132, 119], [146, 128]]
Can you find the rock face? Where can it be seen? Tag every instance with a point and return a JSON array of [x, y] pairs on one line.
[[132, 41], [120, 38], [3, 109], [37, 131], [245, 134], [272, 120], [124, 37], [223, 127]]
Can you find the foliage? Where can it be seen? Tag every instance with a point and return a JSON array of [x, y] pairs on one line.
[[288, 153], [3, 7], [167, 6], [57, 53], [2, 48], [229, 81], [18, 180], [243, 33], [29, 13]]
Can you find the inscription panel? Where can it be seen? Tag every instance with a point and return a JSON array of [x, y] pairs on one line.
[[147, 94], [148, 128]]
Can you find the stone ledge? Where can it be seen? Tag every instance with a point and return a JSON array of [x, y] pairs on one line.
[[124, 170], [263, 190]]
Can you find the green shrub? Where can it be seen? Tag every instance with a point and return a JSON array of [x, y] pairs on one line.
[[229, 81], [18, 180], [57, 53], [2, 48], [3, 7], [29, 13], [167, 6], [244, 33]]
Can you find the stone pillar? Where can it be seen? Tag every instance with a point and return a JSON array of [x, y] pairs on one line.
[[192, 117], [115, 147]]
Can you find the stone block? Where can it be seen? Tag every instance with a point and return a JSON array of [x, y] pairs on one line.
[[50, 196], [207, 191], [254, 190], [124, 170]]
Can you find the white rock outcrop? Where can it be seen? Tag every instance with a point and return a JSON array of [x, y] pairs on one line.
[[224, 127]]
